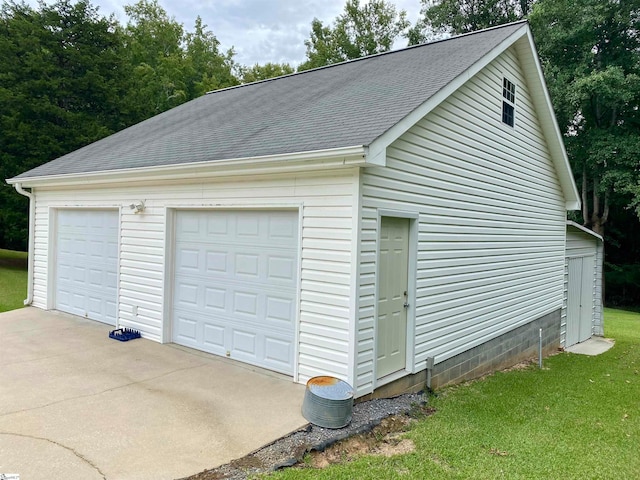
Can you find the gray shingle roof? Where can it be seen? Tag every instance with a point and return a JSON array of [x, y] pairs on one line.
[[344, 105]]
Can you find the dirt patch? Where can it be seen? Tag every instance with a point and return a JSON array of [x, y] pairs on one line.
[[386, 439], [246, 463], [377, 428], [521, 366]]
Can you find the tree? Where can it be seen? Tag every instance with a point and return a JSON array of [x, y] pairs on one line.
[[590, 51], [60, 72], [263, 72], [590, 54], [156, 60], [445, 17], [170, 66], [359, 31], [69, 76], [207, 68]]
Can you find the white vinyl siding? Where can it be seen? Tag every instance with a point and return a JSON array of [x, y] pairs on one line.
[[491, 231], [581, 244], [326, 202]]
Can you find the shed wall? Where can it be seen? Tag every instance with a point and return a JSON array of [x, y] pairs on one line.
[[491, 222], [326, 200], [581, 244]]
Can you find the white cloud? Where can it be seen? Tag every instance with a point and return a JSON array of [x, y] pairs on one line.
[[259, 30]]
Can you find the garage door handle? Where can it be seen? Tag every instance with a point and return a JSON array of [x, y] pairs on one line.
[[406, 305]]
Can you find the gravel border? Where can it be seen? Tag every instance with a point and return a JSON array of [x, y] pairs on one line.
[[289, 450]]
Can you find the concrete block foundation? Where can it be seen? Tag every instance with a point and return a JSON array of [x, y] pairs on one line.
[[508, 349]]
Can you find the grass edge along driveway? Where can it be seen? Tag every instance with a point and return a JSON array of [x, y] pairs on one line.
[[578, 418], [13, 279]]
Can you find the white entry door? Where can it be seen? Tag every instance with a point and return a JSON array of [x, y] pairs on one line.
[[235, 285], [579, 300], [392, 296], [86, 263]]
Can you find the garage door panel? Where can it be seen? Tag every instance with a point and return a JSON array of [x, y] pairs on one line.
[[111, 280], [111, 311], [96, 306], [214, 338], [215, 299], [86, 263], [247, 265], [96, 278], [278, 352], [245, 304], [280, 312], [248, 227], [281, 229], [186, 329], [244, 344], [187, 295], [236, 274], [216, 262]]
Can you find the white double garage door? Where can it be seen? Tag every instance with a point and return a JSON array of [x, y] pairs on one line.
[[235, 279]]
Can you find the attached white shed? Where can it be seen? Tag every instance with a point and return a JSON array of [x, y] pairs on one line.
[[368, 220], [582, 307]]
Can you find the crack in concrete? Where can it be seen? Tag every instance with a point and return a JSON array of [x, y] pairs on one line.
[[79, 455], [101, 392]]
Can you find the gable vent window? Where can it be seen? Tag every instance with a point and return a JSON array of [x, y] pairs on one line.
[[508, 102]]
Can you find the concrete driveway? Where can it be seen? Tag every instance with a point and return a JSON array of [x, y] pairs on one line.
[[75, 404]]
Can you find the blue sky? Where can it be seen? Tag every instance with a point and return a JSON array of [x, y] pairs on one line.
[[259, 30]]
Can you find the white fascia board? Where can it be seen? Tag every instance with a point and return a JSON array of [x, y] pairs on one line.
[[540, 95], [291, 162], [378, 148], [584, 229]]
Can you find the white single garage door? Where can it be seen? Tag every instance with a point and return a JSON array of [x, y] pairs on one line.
[[235, 285], [86, 263]]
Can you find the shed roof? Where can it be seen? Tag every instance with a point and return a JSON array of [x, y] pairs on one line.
[[343, 105], [580, 228]]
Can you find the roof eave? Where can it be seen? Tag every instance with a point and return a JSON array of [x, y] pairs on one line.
[[281, 163], [577, 226]]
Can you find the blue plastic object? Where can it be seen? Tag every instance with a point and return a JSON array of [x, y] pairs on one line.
[[124, 334]]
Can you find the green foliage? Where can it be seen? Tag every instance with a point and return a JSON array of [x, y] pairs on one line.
[[60, 68], [263, 72], [576, 418], [13, 279], [590, 51], [169, 66], [69, 76], [623, 284], [464, 16], [359, 31], [155, 57], [207, 68]]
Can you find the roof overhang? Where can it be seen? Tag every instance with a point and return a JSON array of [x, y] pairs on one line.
[[584, 229], [282, 163], [522, 40]]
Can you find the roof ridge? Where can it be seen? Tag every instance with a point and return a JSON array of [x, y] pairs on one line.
[[379, 54]]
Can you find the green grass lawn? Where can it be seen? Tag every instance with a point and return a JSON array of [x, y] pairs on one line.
[[13, 279], [578, 418]]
